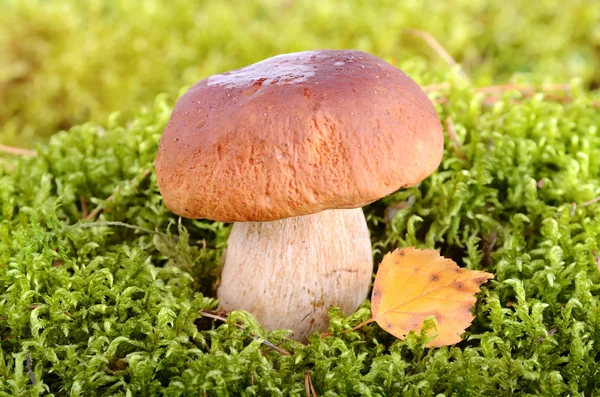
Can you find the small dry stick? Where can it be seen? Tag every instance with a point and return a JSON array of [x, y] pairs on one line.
[[456, 144], [452, 132], [438, 48], [84, 207], [369, 321], [592, 201], [110, 198], [17, 151], [502, 88], [496, 89], [98, 209], [30, 370], [263, 341], [491, 93], [268, 348], [308, 385], [488, 246], [530, 90], [436, 87], [567, 99]]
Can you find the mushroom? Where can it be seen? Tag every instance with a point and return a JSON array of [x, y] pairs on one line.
[[290, 149]]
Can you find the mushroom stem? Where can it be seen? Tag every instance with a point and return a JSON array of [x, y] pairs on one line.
[[288, 273]]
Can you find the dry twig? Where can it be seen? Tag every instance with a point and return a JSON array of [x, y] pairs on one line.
[[17, 151], [438, 48], [452, 133], [456, 144], [436, 87], [491, 94], [98, 209], [308, 385], [590, 202], [488, 246], [523, 88], [345, 331], [84, 207], [30, 370], [263, 341]]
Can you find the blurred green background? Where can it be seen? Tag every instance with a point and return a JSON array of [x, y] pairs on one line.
[[65, 62]]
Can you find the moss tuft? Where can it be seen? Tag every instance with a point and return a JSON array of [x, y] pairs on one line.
[[114, 308]]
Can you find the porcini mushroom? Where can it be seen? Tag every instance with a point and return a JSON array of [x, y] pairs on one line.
[[290, 149]]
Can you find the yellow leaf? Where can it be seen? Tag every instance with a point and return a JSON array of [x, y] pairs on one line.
[[413, 284]]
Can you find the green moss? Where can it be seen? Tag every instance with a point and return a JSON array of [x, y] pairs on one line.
[[113, 310], [65, 62]]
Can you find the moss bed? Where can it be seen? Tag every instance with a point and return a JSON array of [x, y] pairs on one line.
[[102, 289], [112, 307]]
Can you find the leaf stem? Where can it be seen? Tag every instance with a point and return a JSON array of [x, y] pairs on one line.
[[369, 321], [263, 341]]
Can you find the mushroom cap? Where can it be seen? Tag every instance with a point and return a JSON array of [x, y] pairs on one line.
[[294, 135]]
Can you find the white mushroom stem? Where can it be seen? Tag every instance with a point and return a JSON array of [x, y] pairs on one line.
[[288, 273]]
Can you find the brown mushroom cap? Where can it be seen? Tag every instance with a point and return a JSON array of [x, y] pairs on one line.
[[294, 135]]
